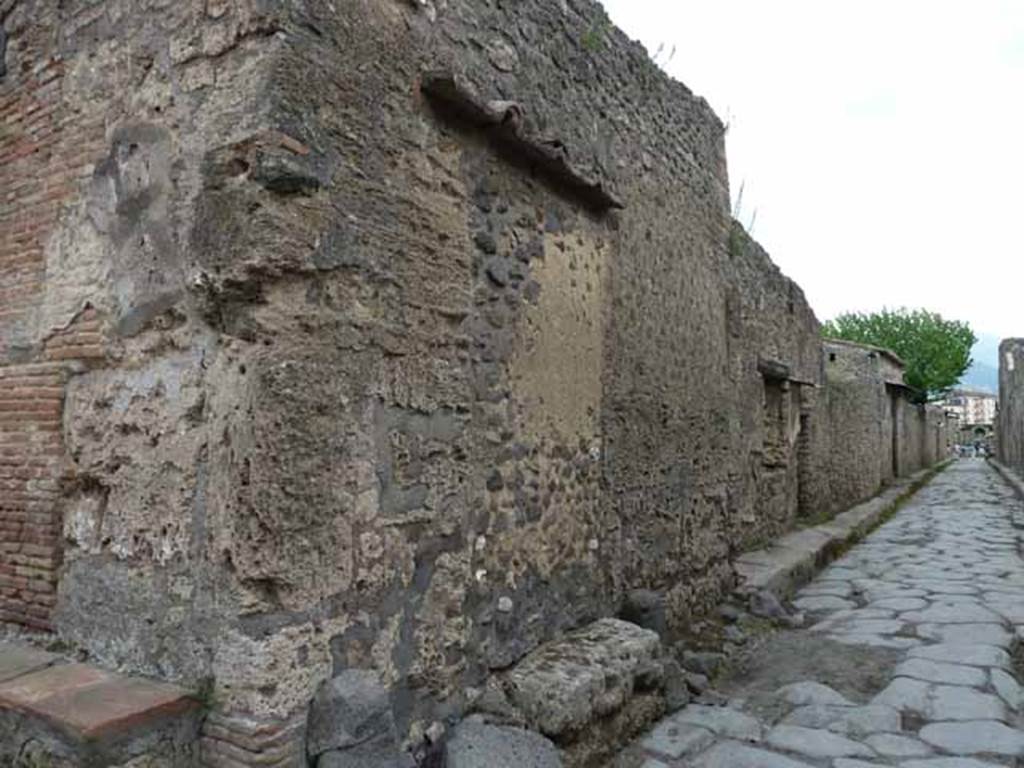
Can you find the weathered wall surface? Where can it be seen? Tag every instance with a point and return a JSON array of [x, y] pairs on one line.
[[774, 353], [869, 429], [110, 376], [1010, 417], [307, 366]]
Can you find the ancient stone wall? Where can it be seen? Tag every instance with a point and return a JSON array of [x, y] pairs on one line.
[[774, 354], [382, 335], [1010, 417], [871, 430], [110, 382]]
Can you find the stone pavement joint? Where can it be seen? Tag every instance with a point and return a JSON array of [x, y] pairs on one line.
[[936, 596]]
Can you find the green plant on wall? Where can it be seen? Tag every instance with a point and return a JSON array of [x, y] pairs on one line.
[[593, 38]]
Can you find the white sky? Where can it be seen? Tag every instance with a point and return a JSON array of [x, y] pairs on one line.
[[881, 142]]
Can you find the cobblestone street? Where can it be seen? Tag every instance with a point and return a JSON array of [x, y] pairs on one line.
[[907, 658]]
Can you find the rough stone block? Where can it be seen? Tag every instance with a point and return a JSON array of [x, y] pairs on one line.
[[477, 745], [589, 674], [348, 710]]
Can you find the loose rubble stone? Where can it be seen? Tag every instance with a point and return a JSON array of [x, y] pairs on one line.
[[697, 683], [348, 710], [734, 634], [767, 605], [646, 609], [590, 673], [675, 739], [477, 745], [703, 662]]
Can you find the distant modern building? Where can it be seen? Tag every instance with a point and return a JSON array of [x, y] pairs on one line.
[[972, 407]]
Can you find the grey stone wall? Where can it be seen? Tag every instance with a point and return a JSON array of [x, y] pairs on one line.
[[1010, 419]]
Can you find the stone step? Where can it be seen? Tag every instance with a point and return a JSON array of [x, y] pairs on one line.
[[75, 714]]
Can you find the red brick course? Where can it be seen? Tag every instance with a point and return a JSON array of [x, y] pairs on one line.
[[45, 152], [31, 463]]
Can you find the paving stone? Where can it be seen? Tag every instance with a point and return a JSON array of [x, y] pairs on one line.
[[730, 754], [900, 604], [904, 694], [823, 603], [895, 745], [814, 742], [674, 739], [889, 592], [988, 634], [975, 738], [877, 641], [1008, 688], [976, 655], [948, 702], [948, 589], [722, 721], [942, 672], [871, 627], [833, 588], [873, 718], [652, 763], [1012, 612], [815, 715], [945, 762], [941, 702], [809, 692], [952, 614], [850, 762]]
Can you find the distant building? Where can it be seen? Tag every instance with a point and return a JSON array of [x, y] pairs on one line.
[[972, 407]]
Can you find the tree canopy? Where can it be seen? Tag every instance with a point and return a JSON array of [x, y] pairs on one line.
[[937, 351]]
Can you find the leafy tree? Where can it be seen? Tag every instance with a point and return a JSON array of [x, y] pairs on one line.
[[937, 351]]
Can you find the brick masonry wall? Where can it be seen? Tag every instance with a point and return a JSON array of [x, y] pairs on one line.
[[31, 458], [45, 153]]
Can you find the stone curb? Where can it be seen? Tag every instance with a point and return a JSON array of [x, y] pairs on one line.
[[1014, 481], [791, 561]]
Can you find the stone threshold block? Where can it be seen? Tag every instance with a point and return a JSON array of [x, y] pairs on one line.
[[76, 714]]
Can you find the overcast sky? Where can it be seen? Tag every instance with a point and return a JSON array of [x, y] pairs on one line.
[[881, 142]]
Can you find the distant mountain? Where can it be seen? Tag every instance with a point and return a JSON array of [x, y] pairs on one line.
[[984, 372]]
